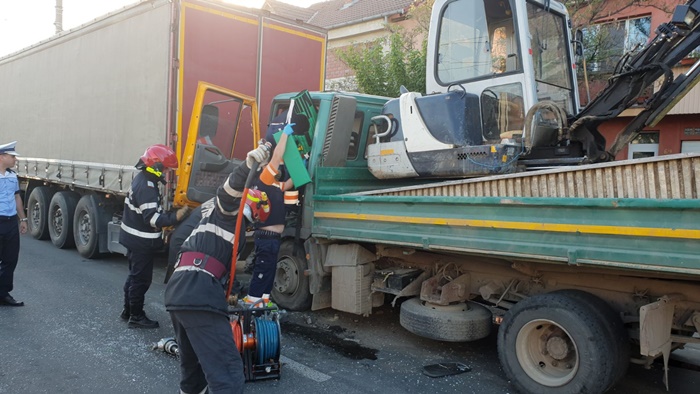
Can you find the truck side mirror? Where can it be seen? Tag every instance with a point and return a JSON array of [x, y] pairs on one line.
[[578, 42]]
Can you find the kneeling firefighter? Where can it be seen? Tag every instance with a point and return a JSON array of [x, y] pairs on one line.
[[195, 295]]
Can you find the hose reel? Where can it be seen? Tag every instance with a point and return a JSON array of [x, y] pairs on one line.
[[257, 334]]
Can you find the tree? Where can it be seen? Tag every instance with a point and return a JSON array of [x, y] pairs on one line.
[[383, 65]]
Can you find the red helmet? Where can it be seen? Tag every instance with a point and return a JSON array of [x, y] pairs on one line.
[[257, 206], [159, 153]]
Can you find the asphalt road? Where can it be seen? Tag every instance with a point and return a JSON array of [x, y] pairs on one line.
[[69, 339]]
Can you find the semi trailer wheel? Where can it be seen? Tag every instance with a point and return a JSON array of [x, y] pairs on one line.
[[463, 322], [557, 343], [61, 211], [86, 226], [291, 286], [38, 211]]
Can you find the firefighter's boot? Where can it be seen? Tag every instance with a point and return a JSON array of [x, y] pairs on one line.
[[139, 319]]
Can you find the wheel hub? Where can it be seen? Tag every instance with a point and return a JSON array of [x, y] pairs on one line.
[[547, 353], [57, 221], [286, 277], [84, 228], [558, 348]]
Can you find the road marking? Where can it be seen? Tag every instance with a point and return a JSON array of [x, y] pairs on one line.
[[304, 370]]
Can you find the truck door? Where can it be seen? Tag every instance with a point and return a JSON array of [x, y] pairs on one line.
[[223, 128]]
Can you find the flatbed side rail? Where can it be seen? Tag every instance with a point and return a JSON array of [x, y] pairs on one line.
[[108, 178], [654, 235]]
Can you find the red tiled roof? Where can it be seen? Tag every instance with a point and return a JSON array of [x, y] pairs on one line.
[[342, 12]]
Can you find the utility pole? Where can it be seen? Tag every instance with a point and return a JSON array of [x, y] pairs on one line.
[[59, 16]]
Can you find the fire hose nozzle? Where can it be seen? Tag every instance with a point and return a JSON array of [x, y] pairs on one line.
[[167, 345]]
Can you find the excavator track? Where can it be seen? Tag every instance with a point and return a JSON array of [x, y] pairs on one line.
[[661, 177]]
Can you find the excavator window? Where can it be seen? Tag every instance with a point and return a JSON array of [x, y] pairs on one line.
[[477, 39], [550, 55]]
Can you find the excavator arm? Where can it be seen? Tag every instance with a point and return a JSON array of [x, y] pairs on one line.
[[674, 40]]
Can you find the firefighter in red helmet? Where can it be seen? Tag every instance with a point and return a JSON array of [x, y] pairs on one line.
[[141, 229]]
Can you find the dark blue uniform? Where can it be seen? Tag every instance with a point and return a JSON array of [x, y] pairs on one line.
[[195, 295], [141, 234]]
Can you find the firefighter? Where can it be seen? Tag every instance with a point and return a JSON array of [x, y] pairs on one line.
[[141, 229], [195, 295], [274, 181]]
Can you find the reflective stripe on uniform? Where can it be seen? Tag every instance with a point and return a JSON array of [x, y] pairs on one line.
[[148, 205], [193, 268], [140, 234], [154, 218], [128, 203], [231, 191], [225, 212], [214, 229]]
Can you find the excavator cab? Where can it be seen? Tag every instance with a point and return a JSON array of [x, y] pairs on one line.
[[489, 62]]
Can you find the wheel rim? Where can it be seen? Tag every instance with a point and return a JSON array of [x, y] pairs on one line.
[[57, 221], [287, 276], [84, 226], [547, 353], [35, 215]]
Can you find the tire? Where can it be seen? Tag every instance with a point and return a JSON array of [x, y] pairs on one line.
[[616, 328], [463, 322], [557, 343], [60, 219], [87, 220], [291, 287], [38, 211]]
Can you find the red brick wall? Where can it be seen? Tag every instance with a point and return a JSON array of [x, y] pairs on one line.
[[671, 132], [336, 68]]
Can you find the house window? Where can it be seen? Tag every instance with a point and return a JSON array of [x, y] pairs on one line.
[[606, 43], [644, 145]]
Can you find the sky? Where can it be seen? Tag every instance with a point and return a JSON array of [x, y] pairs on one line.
[[26, 22]]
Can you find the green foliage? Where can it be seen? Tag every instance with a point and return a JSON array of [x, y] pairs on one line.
[[383, 65]]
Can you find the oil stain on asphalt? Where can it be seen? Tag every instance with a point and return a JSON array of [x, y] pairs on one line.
[[332, 338]]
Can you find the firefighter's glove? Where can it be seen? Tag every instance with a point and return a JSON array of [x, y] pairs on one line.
[[259, 154], [182, 213], [288, 129]]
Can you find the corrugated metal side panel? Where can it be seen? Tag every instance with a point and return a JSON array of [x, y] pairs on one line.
[[97, 94], [664, 177]]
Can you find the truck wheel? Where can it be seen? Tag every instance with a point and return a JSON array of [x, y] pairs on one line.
[[614, 325], [61, 211], [38, 211], [86, 220], [291, 288], [463, 322], [557, 343]]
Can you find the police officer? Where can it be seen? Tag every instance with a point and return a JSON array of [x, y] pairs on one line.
[[141, 229], [10, 210], [195, 295]]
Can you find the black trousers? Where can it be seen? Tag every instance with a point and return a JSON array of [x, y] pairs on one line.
[[138, 281], [266, 250], [208, 354], [9, 254]]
